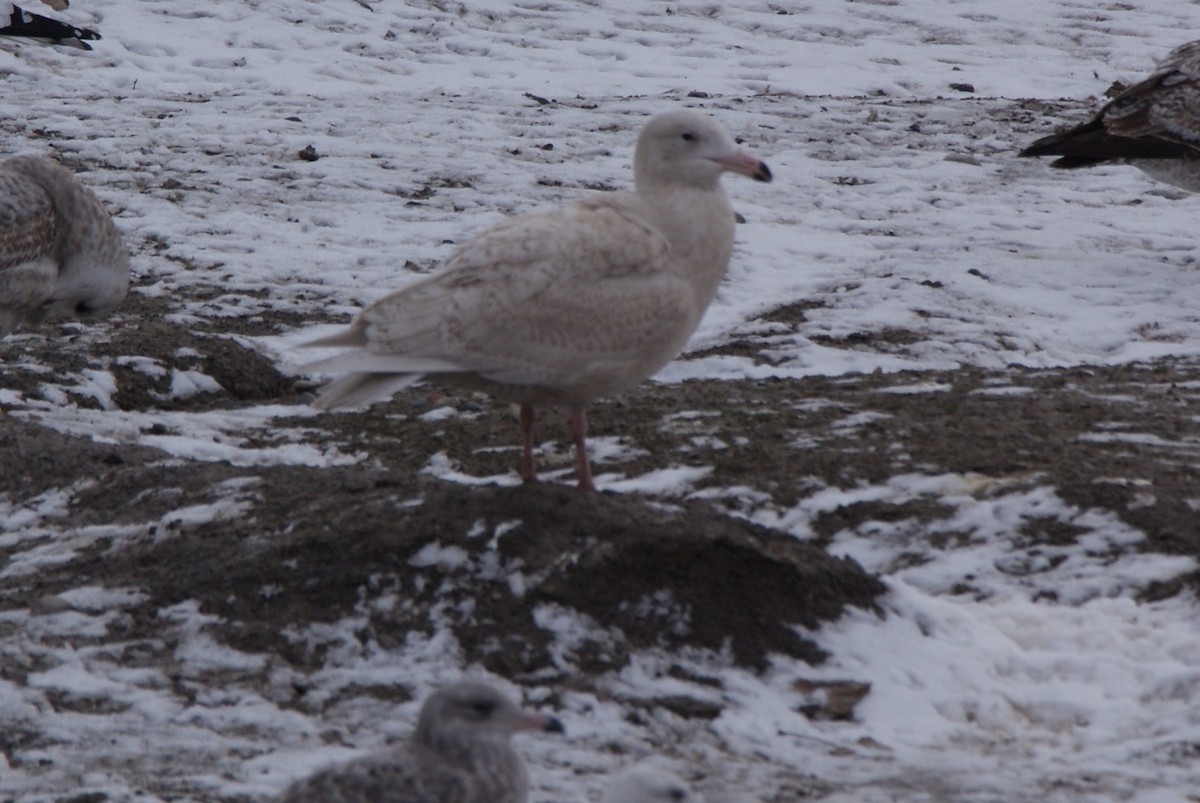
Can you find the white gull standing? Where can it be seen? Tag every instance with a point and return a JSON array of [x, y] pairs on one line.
[[60, 253], [460, 752], [1153, 125], [566, 306]]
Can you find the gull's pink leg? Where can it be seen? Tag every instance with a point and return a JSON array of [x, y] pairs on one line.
[[583, 469], [528, 472]]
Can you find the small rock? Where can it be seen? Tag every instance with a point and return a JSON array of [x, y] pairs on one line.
[[49, 604], [85, 797], [963, 87], [830, 699], [688, 707], [309, 154]]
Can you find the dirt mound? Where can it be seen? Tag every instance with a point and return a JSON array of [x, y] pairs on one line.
[[491, 563]]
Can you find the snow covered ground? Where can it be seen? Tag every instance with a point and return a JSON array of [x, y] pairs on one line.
[[432, 119]]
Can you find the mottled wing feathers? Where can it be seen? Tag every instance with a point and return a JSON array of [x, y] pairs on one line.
[[510, 299], [60, 252], [28, 224], [29, 269], [395, 776], [1167, 104], [1158, 118]]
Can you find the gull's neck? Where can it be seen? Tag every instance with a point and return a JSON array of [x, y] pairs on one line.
[[491, 759], [698, 223]]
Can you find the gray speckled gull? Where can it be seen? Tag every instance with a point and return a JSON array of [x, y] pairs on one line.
[[460, 752], [60, 253], [566, 306], [1153, 125]]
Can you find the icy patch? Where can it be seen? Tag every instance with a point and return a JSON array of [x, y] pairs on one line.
[[146, 365], [1013, 688], [670, 481], [440, 414], [186, 384], [985, 539], [442, 467], [922, 387], [181, 520], [97, 598], [51, 504], [444, 557], [221, 435], [571, 629]]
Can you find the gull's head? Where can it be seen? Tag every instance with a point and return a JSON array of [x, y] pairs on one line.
[[476, 710], [89, 286], [690, 149], [646, 784]]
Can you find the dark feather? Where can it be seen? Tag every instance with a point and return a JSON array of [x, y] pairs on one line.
[[26, 24]]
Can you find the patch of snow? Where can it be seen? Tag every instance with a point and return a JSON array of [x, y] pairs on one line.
[[1045, 681], [670, 481], [186, 384], [434, 554]]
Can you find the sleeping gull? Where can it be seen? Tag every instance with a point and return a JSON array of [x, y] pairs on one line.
[[60, 253], [645, 784], [566, 306], [16, 21], [459, 753], [1153, 125]]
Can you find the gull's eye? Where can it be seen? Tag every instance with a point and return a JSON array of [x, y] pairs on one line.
[[676, 794], [483, 707], [688, 136]]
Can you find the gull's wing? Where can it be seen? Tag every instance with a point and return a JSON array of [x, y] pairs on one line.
[[534, 300]]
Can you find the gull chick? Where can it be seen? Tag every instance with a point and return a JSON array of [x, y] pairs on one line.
[[460, 752], [567, 306], [60, 253], [1153, 125]]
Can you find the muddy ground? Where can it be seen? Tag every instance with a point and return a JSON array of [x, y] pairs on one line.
[[1121, 439]]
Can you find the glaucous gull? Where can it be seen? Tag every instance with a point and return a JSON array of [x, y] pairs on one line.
[[60, 253], [16, 21], [459, 753], [1153, 125], [567, 306]]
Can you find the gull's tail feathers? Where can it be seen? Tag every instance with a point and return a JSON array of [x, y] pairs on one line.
[[360, 390]]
